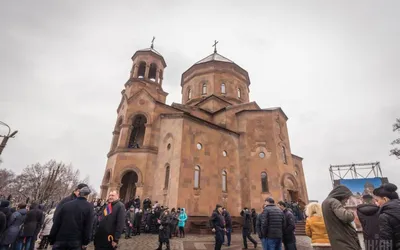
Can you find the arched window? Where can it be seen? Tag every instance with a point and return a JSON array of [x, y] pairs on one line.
[[264, 182], [224, 181], [197, 177], [189, 94], [284, 158], [138, 130], [223, 90], [142, 70], [166, 181], [239, 93], [204, 89], [153, 72]]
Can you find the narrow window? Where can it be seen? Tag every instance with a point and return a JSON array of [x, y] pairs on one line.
[[224, 181], [264, 182], [284, 158], [142, 70], [189, 94], [138, 131], [239, 93], [223, 91], [153, 72], [166, 181], [204, 91], [197, 177]]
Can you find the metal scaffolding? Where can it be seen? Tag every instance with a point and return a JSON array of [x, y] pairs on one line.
[[355, 171]]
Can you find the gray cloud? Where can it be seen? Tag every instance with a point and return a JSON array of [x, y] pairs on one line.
[[332, 67]]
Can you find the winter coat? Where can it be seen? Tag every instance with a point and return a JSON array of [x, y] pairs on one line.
[[136, 203], [247, 221], [62, 202], [112, 224], [14, 226], [182, 218], [368, 214], [130, 217], [316, 230], [290, 226], [254, 217], [138, 219], [217, 221], [4, 207], [389, 223], [3, 222], [33, 222], [74, 222], [272, 222], [342, 233], [48, 223], [228, 219], [146, 204], [164, 232]]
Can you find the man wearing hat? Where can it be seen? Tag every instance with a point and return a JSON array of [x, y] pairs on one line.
[[368, 214], [72, 228], [71, 197]]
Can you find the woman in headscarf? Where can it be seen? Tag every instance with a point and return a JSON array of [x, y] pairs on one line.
[[182, 221], [389, 217]]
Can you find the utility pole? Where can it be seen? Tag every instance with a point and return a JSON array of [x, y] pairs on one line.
[[6, 137]]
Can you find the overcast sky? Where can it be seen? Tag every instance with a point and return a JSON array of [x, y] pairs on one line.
[[333, 67]]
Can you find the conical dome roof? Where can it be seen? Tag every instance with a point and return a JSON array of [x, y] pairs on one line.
[[214, 57]]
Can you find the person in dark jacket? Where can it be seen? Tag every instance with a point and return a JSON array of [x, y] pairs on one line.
[[228, 226], [72, 228], [254, 219], [174, 222], [146, 203], [5, 208], [10, 236], [3, 222], [164, 229], [111, 224], [32, 225], [138, 221], [247, 226], [389, 217], [272, 225], [136, 202], [289, 239], [368, 214], [71, 197], [338, 221], [217, 223], [130, 221]]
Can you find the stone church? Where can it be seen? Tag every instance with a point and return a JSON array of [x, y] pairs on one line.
[[216, 147]]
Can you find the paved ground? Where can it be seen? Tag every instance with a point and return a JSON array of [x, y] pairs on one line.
[[194, 242]]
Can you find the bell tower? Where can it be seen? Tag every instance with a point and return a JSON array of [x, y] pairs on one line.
[[147, 72]]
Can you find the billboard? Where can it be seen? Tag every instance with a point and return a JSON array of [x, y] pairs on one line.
[[360, 187]]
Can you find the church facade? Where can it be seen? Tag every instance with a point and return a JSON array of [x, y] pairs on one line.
[[216, 147]]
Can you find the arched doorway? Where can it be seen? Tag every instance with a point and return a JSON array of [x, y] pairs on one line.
[[128, 186], [290, 188]]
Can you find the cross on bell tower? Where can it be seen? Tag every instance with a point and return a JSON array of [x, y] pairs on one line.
[[152, 42], [215, 46]]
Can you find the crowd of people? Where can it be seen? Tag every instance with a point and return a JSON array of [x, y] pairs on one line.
[[76, 222]]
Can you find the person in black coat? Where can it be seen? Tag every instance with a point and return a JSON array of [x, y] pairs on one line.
[[137, 202], [389, 217], [72, 228], [71, 197], [368, 214], [3, 222], [228, 226], [272, 224], [5, 208], [146, 203], [217, 223], [254, 219], [111, 225], [32, 224], [138, 221], [247, 227], [289, 239], [164, 229]]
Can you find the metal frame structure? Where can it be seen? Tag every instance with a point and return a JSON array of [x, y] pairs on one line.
[[355, 171]]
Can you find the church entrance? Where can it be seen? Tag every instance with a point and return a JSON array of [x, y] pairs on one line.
[[128, 188], [293, 195]]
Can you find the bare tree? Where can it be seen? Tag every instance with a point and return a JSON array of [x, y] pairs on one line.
[[6, 178], [396, 151], [47, 183]]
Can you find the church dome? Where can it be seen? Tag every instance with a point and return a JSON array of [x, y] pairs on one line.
[[215, 75]]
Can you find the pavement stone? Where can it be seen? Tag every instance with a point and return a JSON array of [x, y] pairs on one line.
[[194, 242]]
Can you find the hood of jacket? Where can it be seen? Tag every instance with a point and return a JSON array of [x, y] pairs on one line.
[[183, 211], [22, 211], [368, 209], [392, 208], [4, 203], [340, 192]]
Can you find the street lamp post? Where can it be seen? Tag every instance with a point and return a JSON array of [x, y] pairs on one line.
[[6, 137]]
